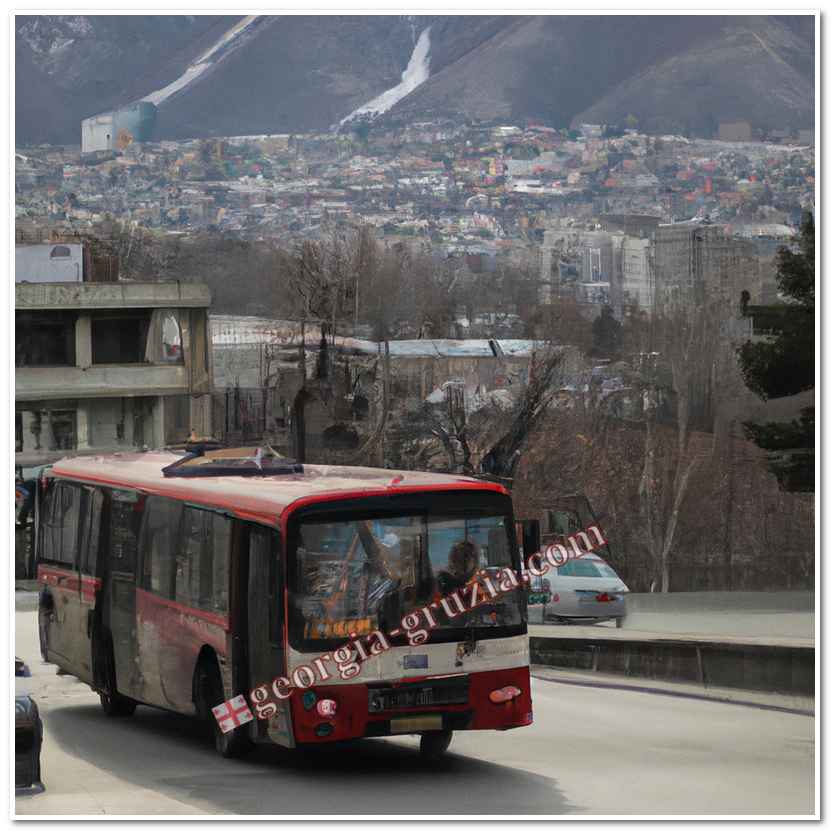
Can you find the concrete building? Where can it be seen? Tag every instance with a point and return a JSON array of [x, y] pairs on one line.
[[596, 256], [655, 268], [119, 128], [56, 262], [109, 366], [637, 281], [693, 263]]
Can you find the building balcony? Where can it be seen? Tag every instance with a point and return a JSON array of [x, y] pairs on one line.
[[99, 381]]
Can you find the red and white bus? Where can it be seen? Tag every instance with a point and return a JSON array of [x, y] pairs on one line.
[[184, 580]]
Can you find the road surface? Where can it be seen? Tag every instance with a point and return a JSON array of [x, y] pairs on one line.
[[590, 751]]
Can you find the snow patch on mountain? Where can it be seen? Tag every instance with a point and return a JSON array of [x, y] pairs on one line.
[[229, 41], [416, 73]]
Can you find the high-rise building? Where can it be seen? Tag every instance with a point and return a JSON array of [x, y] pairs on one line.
[[694, 263]]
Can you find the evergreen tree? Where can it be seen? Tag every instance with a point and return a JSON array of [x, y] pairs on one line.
[[607, 334], [784, 365]]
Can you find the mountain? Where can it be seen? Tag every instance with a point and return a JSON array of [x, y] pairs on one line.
[[226, 75], [672, 73], [42, 113], [310, 73], [770, 76], [68, 67]]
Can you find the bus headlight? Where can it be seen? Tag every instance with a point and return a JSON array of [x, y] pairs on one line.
[[504, 694]]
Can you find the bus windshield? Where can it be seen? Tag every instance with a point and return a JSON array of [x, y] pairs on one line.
[[361, 575]]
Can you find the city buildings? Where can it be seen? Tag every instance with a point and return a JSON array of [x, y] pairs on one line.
[[652, 267], [449, 184]]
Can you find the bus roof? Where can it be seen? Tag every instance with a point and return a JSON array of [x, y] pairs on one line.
[[261, 498]]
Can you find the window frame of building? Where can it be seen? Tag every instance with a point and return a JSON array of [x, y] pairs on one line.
[[107, 331], [38, 333]]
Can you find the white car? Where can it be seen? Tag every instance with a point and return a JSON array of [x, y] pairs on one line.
[[584, 590]]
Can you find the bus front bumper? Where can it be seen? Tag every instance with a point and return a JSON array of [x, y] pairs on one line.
[[459, 702]]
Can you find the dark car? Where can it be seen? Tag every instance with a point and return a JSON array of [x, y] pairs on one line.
[[28, 738]]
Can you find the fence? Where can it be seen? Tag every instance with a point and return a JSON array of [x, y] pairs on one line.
[[243, 415]]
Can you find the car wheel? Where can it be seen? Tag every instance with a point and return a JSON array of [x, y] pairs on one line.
[[434, 745]]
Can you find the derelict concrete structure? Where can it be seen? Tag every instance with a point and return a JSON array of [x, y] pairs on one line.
[[118, 128]]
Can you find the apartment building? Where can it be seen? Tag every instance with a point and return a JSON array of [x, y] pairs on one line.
[[102, 367]]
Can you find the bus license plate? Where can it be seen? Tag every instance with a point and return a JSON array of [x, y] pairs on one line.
[[415, 724]]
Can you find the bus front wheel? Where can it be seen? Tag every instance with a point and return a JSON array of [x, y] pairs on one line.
[[434, 745], [209, 685]]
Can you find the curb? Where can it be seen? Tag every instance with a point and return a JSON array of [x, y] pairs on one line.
[[26, 586], [770, 668], [795, 705]]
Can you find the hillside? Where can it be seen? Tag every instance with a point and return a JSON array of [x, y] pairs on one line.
[[235, 76]]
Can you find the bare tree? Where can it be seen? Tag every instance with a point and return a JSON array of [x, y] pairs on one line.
[[544, 377]]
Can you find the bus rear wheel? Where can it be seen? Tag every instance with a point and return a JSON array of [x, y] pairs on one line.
[[229, 745], [112, 702], [434, 745], [117, 705]]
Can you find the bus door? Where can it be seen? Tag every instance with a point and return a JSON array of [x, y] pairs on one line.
[[88, 576], [266, 651], [59, 601], [125, 508]]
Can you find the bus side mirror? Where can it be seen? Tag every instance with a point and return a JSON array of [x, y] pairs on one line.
[[530, 538]]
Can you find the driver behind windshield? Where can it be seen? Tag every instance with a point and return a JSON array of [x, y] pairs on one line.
[[462, 563]]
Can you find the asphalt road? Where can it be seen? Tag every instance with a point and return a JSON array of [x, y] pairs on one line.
[[590, 751]]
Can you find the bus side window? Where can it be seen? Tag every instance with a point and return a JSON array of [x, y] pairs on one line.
[[48, 529], [125, 521], [91, 530], [188, 556], [218, 548], [264, 582], [60, 525], [158, 544], [202, 560]]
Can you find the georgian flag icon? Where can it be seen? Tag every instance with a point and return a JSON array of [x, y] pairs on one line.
[[231, 714]]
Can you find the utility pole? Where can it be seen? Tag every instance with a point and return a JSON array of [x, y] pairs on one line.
[[355, 326]]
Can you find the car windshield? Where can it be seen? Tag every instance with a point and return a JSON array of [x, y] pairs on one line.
[[582, 567], [362, 575]]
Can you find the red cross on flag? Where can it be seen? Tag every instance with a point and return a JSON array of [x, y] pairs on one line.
[[231, 714]]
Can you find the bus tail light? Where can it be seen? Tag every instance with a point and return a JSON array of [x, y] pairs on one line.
[[504, 694], [326, 708]]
